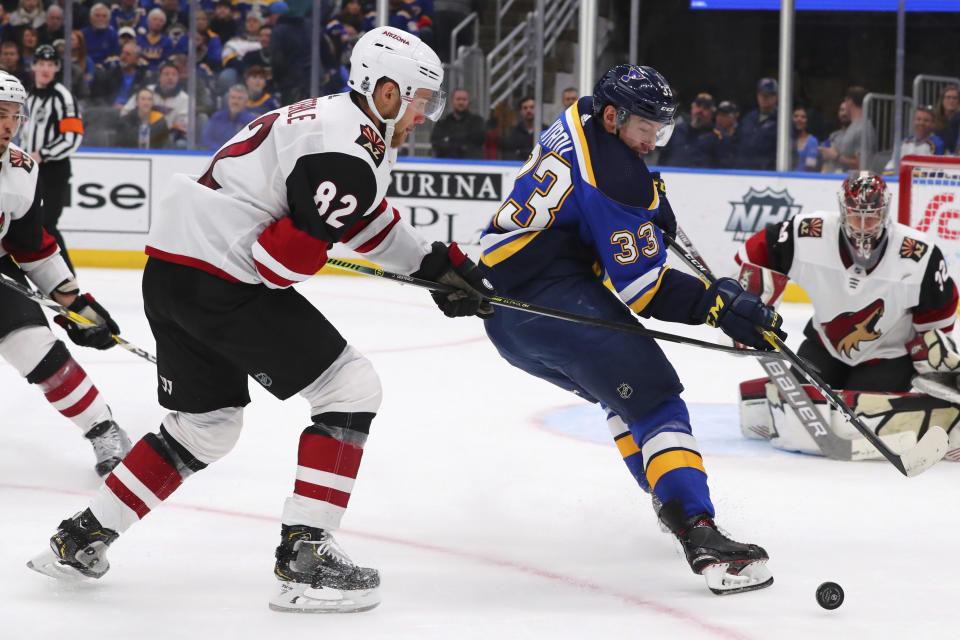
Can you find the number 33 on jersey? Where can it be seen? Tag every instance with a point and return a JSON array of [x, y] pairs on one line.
[[584, 195], [276, 196]]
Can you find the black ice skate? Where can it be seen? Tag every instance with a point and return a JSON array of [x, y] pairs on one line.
[[78, 549], [110, 445], [316, 576], [728, 566]]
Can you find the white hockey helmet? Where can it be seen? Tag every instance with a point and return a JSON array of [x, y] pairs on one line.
[[386, 52], [11, 90]]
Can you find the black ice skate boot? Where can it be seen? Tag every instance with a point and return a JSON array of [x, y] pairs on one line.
[[77, 550], [316, 576], [110, 445], [728, 566]]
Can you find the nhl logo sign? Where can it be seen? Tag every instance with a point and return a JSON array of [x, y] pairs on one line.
[[757, 209]]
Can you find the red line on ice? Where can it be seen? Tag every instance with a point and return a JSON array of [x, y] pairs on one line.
[[656, 607]]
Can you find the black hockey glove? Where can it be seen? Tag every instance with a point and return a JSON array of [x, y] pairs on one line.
[[739, 314], [448, 265], [665, 218], [98, 336]]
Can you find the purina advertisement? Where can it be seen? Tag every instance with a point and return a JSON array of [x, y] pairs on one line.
[[114, 197]]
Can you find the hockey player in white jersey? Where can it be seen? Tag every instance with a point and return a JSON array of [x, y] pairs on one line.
[[26, 341], [884, 304], [223, 254]]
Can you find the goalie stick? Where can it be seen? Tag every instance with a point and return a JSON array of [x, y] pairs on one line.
[[926, 453], [42, 300], [346, 265]]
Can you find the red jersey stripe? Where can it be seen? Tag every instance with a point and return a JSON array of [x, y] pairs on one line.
[[187, 261], [48, 247], [269, 275], [363, 222], [373, 242], [295, 250]]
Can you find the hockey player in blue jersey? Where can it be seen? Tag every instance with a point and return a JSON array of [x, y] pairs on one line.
[[585, 208]]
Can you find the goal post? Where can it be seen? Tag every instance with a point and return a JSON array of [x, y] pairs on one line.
[[929, 201]]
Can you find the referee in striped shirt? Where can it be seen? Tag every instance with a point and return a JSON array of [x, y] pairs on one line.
[[52, 132]]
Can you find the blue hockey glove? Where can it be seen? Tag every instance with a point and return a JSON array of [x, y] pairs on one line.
[[448, 265], [665, 218], [739, 314]]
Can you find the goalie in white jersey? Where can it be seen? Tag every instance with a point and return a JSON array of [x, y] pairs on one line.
[[876, 286], [223, 253], [884, 307], [26, 341]]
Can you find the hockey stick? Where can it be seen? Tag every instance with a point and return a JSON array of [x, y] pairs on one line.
[[346, 265], [831, 445], [42, 300], [926, 453]]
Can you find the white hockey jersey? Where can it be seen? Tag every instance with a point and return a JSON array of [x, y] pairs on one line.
[[860, 316], [280, 192], [21, 222]]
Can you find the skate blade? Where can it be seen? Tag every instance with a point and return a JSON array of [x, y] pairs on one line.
[[294, 597], [48, 563], [751, 577]]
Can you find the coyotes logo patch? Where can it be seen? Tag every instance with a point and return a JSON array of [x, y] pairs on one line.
[[812, 228], [20, 159], [849, 329], [372, 142], [913, 249]]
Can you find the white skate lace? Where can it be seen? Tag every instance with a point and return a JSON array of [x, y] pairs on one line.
[[327, 546]]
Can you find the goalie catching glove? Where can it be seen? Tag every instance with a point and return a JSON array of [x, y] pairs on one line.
[[739, 314], [98, 335], [450, 266]]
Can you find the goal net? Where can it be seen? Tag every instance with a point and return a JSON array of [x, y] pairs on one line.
[[930, 201]]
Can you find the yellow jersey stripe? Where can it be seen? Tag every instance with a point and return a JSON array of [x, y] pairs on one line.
[[640, 303], [504, 251], [583, 153], [670, 460]]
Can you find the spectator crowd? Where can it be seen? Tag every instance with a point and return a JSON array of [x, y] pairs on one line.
[[129, 59], [128, 64]]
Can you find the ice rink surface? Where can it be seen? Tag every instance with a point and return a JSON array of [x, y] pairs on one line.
[[491, 502]]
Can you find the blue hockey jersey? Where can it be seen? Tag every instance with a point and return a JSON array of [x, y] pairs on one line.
[[581, 195]]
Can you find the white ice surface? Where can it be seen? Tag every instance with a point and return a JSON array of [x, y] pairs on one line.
[[484, 521]]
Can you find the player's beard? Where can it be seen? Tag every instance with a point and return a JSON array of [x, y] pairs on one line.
[[399, 137]]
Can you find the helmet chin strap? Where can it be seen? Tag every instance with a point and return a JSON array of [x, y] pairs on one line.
[[389, 125]]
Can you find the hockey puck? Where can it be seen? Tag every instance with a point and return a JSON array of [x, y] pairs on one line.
[[829, 595]]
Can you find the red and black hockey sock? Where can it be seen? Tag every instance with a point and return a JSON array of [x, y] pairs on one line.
[[328, 460], [151, 472], [68, 388]]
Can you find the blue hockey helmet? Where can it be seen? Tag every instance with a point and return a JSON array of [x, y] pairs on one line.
[[640, 91]]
